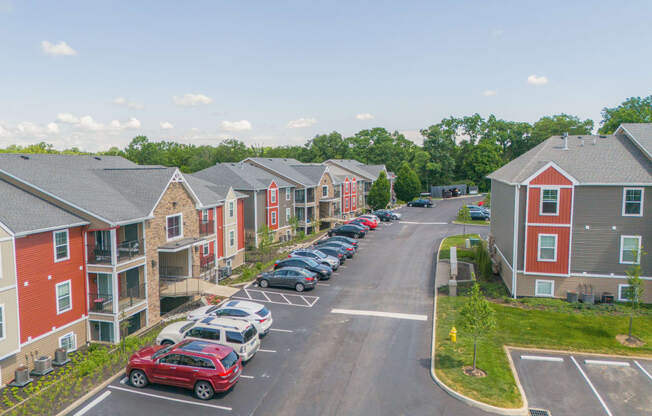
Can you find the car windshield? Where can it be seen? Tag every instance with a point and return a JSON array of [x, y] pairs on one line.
[[230, 360], [320, 254], [310, 262], [304, 272], [186, 327], [263, 312], [250, 333], [162, 351]]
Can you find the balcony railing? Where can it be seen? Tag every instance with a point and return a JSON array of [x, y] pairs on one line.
[[207, 263], [206, 228], [131, 296], [126, 250], [98, 255], [130, 249], [170, 272], [100, 302]]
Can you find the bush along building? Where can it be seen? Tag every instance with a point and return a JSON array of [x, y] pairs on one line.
[[149, 235], [570, 215]]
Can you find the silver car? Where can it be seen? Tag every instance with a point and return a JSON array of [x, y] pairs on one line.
[[318, 256]]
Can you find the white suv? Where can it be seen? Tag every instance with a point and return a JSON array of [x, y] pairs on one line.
[[235, 333], [253, 312]]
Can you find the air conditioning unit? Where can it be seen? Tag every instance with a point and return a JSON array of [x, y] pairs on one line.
[[60, 357], [228, 270], [42, 366], [21, 377]]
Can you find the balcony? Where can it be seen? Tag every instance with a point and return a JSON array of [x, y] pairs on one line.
[[100, 302], [304, 196], [206, 228], [206, 264], [131, 296], [103, 254]]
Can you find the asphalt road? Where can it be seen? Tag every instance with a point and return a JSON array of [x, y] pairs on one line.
[[330, 355]]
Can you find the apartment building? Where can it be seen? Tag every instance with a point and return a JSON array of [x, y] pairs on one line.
[[355, 179], [570, 215]]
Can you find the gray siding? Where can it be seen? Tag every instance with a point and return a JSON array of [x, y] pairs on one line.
[[502, 217], [597, 250], [262, 207], [248, 211], [283, 204], [522, 204]]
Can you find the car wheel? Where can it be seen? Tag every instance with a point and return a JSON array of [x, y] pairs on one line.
[[263, 283], [299, 287], [409, 205], [167, 342], [138, 379], [204, 390]]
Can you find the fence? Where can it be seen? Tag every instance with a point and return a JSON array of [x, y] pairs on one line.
[[436, 191]]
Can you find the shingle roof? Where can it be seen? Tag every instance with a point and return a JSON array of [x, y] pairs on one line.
[[314, 172], [23, 212], [611, 160], [285, 168], [642, 134], [242, 176], [369, 172]]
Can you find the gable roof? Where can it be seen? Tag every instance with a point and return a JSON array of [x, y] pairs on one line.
[[312, 171], [242, 176], [611, 160], [640, 133], [368, 172], [23, 213], [284, 167]]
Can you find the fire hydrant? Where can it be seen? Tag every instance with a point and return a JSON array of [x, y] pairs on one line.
[[453, 334]]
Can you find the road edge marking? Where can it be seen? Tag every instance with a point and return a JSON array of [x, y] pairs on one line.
[[173, 399], [408, 316], [281, 330], [643, 369], [595, 391], [92, 404]]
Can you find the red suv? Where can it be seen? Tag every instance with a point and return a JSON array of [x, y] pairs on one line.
[[202, 366], [363, 221]]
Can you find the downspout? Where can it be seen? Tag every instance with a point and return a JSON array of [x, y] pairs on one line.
[[256, 217], [515, 247]]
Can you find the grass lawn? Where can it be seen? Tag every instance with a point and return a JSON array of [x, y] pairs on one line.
[[472, 222], [541, 323], [458, 241]]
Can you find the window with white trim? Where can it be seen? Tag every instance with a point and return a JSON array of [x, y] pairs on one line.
[[288, 214], [273, 214], [64, 297], [288, 194], [633, 202], [544, 288], [174, 225], [549, 202], [204, 216], [232, 238], [272, 195], [206, 250], [68, 342], [324, 191], [624, 292], [547, 247], [61, 246], [2, 322], [231, 209], [630, 249]]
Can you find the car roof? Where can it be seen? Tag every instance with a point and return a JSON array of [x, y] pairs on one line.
[[296, 269], [244, 305], [218, 351], [176, 326], [302, 258], [226, 323]]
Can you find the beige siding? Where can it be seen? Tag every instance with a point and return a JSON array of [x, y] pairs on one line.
[[230, 224]]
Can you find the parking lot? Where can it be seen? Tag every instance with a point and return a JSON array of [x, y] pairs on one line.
[[358, 344], [573, 384]]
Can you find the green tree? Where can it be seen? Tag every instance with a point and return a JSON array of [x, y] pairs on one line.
[[557, 125], [378, 196], [635, 291], [407, 184], [632, 110], [265, 240], [464, 216], [479, 161], [477, 318], [439, 142]]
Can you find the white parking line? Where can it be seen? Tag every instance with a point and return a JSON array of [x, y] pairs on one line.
[[172, 399], [540, 358], [381, 314], [243, 376], [606, 409], [309, 300], [614, 363], [643, 370], [262, 350], [124, 380], [281, 330], [323, 284], [92, 404]]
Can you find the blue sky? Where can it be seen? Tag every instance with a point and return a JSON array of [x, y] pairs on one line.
[[275, 73]]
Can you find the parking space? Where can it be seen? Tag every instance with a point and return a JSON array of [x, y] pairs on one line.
[[276, 296], [571, 384]]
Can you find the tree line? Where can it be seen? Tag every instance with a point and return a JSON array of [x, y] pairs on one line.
[[457, 149]]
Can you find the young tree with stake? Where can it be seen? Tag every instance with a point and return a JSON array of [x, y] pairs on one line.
[[635, 291], [477, 318]]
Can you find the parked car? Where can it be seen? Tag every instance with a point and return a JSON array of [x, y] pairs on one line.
[[333, 251], [318, 256], [363, 221], [252, 312], [201, 312], [425, 203], [346, 249], [479, 208], [323, 272], [384, 215], [204, 367], [343, 239], [294, 277], [348, 230], [237, 334], [371, 217], [479, 215]]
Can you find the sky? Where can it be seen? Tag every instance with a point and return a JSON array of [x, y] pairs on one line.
[[94, 74]]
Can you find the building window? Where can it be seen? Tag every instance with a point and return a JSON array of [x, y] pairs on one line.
[[64, 300], [324, 191], [288, 214], [549, 202], [232, 238], [547, 247], [633, 202], [624, 293], [206, 250], [231, 209], [2, 322], [204, 216], [346, 205], [273, 217], [174, 226], [272, 195], [544, 288], [630, 249], [288, 194], [61, 249], [68, 342]]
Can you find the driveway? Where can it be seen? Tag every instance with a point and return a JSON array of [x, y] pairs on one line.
[[358, 344]]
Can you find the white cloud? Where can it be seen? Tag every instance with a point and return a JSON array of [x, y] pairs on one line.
[[3, 130], [29, 129], [489, 93], [129, 104], [365, 116], [537, 80], [236, 125], [132, 123], [166, 125], [67, 118], [58, 49], [301, 122], [87, 123], [53, 128], [192, 100]]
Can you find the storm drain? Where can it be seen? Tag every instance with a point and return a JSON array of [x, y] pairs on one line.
[[539, 412]]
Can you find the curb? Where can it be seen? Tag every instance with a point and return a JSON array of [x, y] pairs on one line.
[[565, 352], [88, 395], [472, 225], [459, 396]]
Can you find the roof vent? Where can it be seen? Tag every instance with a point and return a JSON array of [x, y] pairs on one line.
[[565, 139], [24, 157], [97, 158]]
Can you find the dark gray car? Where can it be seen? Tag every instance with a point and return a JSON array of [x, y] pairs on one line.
[[291, 277]]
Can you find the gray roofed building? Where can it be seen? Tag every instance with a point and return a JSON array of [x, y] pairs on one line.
[[23, 213], [612, 159], [241, 176], [285, 168], [640, 133], [368, 172], [313, 172]]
